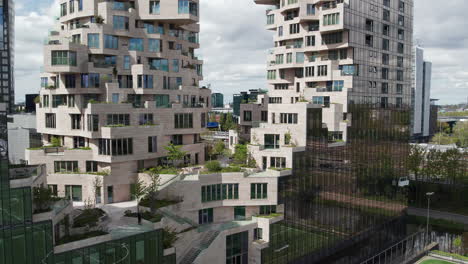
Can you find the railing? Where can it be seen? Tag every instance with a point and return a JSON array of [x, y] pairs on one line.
[[25, 172], [54, 150]]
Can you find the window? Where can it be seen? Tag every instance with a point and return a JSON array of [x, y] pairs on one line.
[[75, 121], [385, 44], [159, 64], [399, 88], [401, 34], [267, 209], [270, 19], [386, 3], [70, 80], [63, 9], [152, 144], [401, 6], [136, 44], [386, 30], [313, 26], [162, 101], [218, 192], [385, 73], [237, 245], [401, 20], [90, 80], [126, 62], [205, 216], [264, 116], [385, 58], [275, 100], [332, 38], [331, 19], [183, 120], [310, 9], [385, 88], [400, 75], [258, 234], [74, 192], [310, 41], [369, 40], [248, 116], [80, 5], [146, 119], [288, 118], [111, 42], [50, 121], [121, 23], [300, 57], [271, 75], [386, 15], [370, 25], [154, 45], [175, 65], [93, 41], [283, 86], [91, 166], [93, 123], [399, 102], [145, 81], [65, 166], [258, 190], [272, 141], [294, 28], [338, 86], [63, 57], [322, 70], [279, 59], [118, 120], [155, 7], [280, 31], [401, 48], [278, 162], [72, 6], [116, 147], [321, 100], [177, 140], [384, 102], [45, 100], [347, 70]]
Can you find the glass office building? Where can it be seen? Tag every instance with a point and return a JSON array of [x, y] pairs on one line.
[[7, 37]]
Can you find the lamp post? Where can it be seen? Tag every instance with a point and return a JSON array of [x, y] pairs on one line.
[[429, 194]]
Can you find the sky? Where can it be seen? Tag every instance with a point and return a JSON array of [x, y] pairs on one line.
[[234, 45]]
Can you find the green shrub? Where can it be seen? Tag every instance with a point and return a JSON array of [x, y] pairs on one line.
[[213, 166], [169, 237], [232, 169], [55, 142], [89, 217]]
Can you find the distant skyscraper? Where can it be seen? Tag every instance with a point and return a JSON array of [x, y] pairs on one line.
[[7, 37], [217, 100], [422, 96]]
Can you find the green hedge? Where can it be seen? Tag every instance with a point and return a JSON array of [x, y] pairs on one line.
[[445, 254]]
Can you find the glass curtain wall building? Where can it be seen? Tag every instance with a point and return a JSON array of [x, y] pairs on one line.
[[344, 68], [7, 36]]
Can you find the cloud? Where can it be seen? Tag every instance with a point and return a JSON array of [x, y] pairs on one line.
[[234, 44]]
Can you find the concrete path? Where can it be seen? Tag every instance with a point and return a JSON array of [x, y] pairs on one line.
[[439, 215]]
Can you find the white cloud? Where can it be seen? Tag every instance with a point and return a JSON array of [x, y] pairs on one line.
[[234, 45]]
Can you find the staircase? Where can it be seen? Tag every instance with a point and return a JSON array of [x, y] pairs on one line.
[[204, 243]]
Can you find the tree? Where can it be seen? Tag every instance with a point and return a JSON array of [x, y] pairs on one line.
[[219, 148], [43, 198], [153, 188], [138, 190], [55, 142], [175, 153], [240, 154], [415, 160], [227, 122], [97, 184], [460, 133]]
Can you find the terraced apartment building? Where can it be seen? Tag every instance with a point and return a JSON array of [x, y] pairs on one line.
[[120, 82]]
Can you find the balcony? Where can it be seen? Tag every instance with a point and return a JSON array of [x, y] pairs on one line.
[[26, 176]]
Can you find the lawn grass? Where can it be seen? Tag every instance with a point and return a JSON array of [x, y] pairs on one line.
[[435, 261], [288, 243]]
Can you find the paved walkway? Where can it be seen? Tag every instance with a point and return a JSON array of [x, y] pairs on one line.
[[439, 215]]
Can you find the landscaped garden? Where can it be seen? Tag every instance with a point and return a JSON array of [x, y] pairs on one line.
[[154, 218], [88, 218]]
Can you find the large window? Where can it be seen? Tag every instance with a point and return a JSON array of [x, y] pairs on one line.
[[247, 116], [331, 19], [145, 81], [118, 120], [152, 144], [74, 192], [272, 141], [205, 216], [159, 64], [136, 44], [93, 123], [65, 166], [90, 80], [278, 162], [258, 190], [75, 121], [146, 119], [50, 121], [111, 42], [267, 209], [93, 41], [175, 65], [126, 64], [294, 28], [286, 118], [116, 147], [183, 120], [162, 101], [218, 192], [63, 57], [332, 38], [155, 7], [70, 80], [237, 248], [154, 45], [121, 22], [91, 166]]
